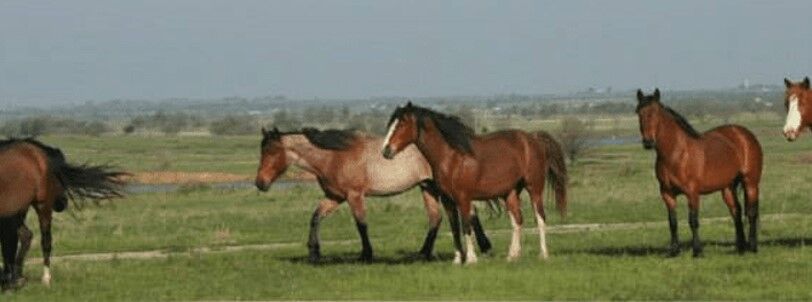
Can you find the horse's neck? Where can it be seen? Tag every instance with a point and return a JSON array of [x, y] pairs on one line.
[[434, 147], [303, 154], [671, 138]]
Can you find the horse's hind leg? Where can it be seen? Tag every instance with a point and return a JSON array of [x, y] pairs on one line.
[[537, 198], [751, 210], [356, 201], [515, 211], [9, 239], [25, 236], [45, 230], [693, 221], [479, 232], [732, 202], [325, 208]]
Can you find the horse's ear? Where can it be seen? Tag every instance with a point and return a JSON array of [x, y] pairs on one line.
[[657, 94], [639, 95], [264, 132], [275, 130], [805, 83], [409, 104], [787, 82]]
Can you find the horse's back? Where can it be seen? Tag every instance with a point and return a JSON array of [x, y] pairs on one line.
[[747, 147]]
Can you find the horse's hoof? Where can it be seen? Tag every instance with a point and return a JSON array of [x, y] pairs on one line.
[[366, 257], [314, 258], [673, 253], [457, 258]]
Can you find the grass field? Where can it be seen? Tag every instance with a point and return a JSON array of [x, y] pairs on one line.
[[614, 186]]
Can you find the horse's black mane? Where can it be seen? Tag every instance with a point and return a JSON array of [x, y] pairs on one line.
[[683, 123], [452, 129], [681, 120], [330, 139]]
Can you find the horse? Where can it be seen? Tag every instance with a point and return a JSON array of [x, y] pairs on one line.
[[36, 175], [349, 167], [723, 159], [470, 167], [798, 102]]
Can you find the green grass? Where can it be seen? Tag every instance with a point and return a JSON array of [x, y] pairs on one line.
[[613, 184]]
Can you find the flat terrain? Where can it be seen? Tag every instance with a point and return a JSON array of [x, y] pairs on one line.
[[611, 246]]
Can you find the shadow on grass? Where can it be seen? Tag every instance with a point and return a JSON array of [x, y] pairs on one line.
[[651, 250], [401, 257]]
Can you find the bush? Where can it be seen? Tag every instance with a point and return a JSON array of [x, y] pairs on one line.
[[574, 136], [233, 125]]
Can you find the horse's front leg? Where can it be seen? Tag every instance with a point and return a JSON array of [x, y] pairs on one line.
[[356, 201], [466, 212], [325, 208], [454, 221], [671, 204]]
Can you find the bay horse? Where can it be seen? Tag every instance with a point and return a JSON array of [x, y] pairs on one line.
[[349, 167], [469, 167], [692, 163], [35, 175], [798, 102]]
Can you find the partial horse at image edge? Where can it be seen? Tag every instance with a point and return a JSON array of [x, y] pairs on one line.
[[35, 175]]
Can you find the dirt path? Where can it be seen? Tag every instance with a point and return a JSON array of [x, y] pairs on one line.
[[557, 229]]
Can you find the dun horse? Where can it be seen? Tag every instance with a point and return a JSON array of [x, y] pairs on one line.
[[349, 167], [798, 101], [470, 167], [35, 175], [690, 163]]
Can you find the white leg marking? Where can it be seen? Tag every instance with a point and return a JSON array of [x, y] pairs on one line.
[[457, 257], [516, 241], [791, 127], [46, 276], [389, 133], [470, 255], [542, 236]]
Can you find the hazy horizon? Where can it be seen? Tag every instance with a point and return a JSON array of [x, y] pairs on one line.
[[68, 52]]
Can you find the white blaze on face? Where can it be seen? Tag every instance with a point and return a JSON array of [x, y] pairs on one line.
[[793, 125], [389, 134]]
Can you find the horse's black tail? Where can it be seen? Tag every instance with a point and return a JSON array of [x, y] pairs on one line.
[[87, 182], [556, 169]]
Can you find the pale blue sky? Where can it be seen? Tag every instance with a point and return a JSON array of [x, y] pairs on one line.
[[71, 51]]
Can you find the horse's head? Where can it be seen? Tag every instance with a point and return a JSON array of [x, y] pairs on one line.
[[403, 131], [799, 109], [648, 112], [273, 161]]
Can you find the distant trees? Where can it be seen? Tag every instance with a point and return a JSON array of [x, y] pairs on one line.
[[574, 136], [39, 125], [232, 125]]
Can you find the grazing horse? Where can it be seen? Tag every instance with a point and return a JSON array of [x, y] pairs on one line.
[[470, 167], [798, 101], [721, 159], [349, 167], [33, 174]]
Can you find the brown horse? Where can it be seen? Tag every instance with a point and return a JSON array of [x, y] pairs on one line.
[[469, 167], [798, 101], [33, 174], [349, 167], [691, 163]]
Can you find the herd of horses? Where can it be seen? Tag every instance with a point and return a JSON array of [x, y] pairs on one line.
[[424, 148]]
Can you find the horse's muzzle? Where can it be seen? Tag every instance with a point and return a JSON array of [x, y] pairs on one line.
[[262, 185], [648, 144], [387, 153]]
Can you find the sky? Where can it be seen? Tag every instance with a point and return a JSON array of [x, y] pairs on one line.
[[61, 52]]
